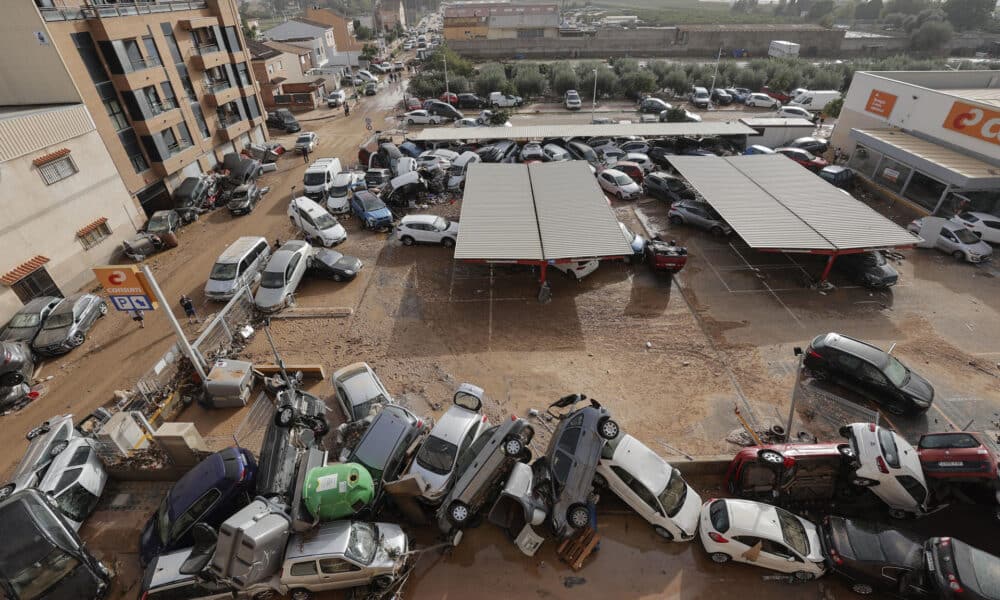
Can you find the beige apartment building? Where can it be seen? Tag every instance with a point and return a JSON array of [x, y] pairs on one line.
[[168, 82], [64, 207]]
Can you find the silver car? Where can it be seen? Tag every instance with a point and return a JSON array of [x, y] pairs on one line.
[[358, 389], [75, 480], [954, 239], [47, 441], [27, 322], [67, 325], [282, 275], [699, 214]]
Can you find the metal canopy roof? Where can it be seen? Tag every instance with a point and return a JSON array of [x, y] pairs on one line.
[[940, 162], [542, 211], [537, 132], [775, 204]]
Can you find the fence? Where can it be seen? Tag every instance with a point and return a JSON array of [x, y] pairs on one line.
[[247, 432], [221, 337]]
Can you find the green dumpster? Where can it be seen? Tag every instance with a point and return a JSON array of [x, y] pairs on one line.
[[337, 491]]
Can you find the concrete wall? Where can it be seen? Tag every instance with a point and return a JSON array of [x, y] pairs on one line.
[[47, 224], [32, 71]]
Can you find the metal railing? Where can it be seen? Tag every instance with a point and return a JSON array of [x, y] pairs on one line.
[[214, 87], [77, 10], [175, 149], [158, 108], [142, 64], [222, 337], [204, 49]]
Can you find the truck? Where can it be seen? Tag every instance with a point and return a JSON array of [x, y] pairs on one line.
[[318, 178], [814, 100], [782, 49]]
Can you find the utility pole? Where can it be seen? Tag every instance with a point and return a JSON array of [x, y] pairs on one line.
[[447, 95], [593, 103], [196, 360], [718, 57]]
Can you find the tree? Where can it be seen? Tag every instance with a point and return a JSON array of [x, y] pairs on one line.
[[528, 80], [676, 81], [820, 9], [635, 84], [868, 11], [491, 78], [564, 80], [499, 117], [968, 14], [361, 32], [907, 7], [607, 82], [832, 108], [932, 35], [625, 65]]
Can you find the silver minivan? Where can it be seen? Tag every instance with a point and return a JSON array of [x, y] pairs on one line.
[[239, 265]]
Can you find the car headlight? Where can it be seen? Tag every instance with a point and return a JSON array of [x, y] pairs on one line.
[[348, 272]]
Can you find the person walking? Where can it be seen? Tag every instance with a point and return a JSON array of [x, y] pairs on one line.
[[305, 154], [347, 109], [138, 317], [188, 307]]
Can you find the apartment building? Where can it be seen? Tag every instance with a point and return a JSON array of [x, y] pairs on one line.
[[343, 33], [168, 82]]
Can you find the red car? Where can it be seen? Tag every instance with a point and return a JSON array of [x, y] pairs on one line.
[[663, 256], [804, 157], [450, 98], [957, 456], [779, 96], [632, 169], [798, 472], [413, 104]]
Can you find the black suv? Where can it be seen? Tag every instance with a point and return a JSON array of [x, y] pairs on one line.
[[471, 101], [721, 96], [869, 269], [284, 120], [653, 106], [666, 187], [869, 371], [383, 447], [192, 194]]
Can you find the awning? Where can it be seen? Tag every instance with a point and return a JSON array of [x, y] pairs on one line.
[[942, 163], [91, 226], [775, 204], [538, 132], [23, 270], [537, 212]]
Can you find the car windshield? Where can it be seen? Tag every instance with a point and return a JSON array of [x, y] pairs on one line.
[[77, 502], [372, 203], [223, 271], [339, 190], [437, 455], [163, 520], [272, 279], [622, 179], [35, 579], [969, 217], [303, 139], [363, 542], [314, 178], [58, 321], [158, 224], [888, 444], [966, 237], [24, 320], [441, 223], [948, 440], [324, 221], [672, 497], [896, 372], [874, 258], [793, 532]]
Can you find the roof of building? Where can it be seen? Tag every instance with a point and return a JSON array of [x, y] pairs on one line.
[[772, 27], [297, 29], [975, 85], [541, 211], [261, 51], [938, 161], [286, 47], [776, 122], [566, 131], [498, 8], [775, 204]]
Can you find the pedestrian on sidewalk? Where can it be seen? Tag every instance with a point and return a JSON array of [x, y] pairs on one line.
[[305, 154], [188, 307], [138, 317]]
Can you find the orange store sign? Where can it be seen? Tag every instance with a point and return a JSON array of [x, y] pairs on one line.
[[975, 122], [881, 103]]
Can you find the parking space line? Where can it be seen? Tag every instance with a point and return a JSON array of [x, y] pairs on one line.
[[783, 305], [489, 339], [711, 266], [796, 263]]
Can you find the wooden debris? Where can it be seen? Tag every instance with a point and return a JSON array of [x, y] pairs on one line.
[[575, 550]]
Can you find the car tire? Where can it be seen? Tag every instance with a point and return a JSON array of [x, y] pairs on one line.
[[459, 513], [6, 490], [58, 447], [663, 533], [37, 431], [676, 220], [11, 379], [819, 374], [338, 277], [578, 516], [862, 589], [771, 457], [846, 451], [899, 514], [512, 446], [266, 595], [720, 558], [958, 254], [608, 429], [407, 240], [448, 242], [804, 576], [301, 594], [78, 339], [284, 416], [382, 582], [863, 482], [717, 231]]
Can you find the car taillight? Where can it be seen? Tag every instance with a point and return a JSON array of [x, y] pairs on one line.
[[717, 538], [813, 354], [881, 464], [420, 423], [513, 417], [788, 462], [484, 418], [836, 557], [871, 427], [946, 541], [954, 584]]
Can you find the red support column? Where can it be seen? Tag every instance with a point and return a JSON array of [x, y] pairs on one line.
[[826, 270], [541, 278]]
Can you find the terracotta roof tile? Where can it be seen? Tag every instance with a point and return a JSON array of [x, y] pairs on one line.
[[91, 226], [51, 156], [24, 269]]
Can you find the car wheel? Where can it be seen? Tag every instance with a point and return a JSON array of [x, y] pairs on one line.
[[578, 516], [676, 220], [459, 513], [862, 589], [863, 482], [819, 374], [720, 557], [663, 533], [284, 416], [409, 121], [804, 576], [382, 582], [11, 379], [6, 490], [266, 595], [37, 431], [513, 446], [895, 408], [58, 447], [716, 231], [301, 594], [608, 429], [77, 339], [771, 457], [338, 277], [407, 240], [898, 514], [958, 254], [447, 242], [103, 308], [845, 450]]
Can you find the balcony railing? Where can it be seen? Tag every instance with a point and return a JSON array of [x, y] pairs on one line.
[[225, 122], [161, 107], [215, 87], [70, 10], [142, 64], [203, 49], [175, 149]]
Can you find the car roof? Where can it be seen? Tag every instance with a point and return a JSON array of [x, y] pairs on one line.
[[871, 541], [614, 172], [840, 341], [68, 303], [310, 206], [454, 424], [756, 517], [642, 463], [35, 305], [209, 473], [419, 219], [60, 465], [328, 538]]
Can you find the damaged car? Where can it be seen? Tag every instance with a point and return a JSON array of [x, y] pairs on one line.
[[16, 369]]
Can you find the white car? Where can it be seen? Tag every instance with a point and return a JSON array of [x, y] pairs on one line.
[[619, 184], [759, 100], [650, 486], [578, 269], [306, 142], [358, 389], [573, 101], [75, 480], [888, 466], [794, 112], [339, 195], [336, 98], [985, 225], [443, 157], [427, 229], [451, 437], [955, 239], [421, 117], [316, 223], [282, 275], [466, 122], [760, 534], [641, 159]]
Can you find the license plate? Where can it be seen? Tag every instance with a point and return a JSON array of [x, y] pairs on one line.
[[950, 463], [929, 560]]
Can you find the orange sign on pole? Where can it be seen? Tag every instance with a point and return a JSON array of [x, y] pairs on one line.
[[881, 103], [126, 286]]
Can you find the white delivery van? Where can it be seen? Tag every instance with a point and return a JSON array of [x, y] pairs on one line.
[[505, 100], [319, 226], [458, 169], [782, 49], [318, 178], [339, 195], [239, 265], [814, 100]]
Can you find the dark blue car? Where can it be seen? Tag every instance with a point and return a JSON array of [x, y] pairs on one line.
[[371, 210], [209, 493]]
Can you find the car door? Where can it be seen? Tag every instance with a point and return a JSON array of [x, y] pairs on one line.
[[629, 489], [293, 273], [990, 230], [947, 241], [779, 557], [845, 366], [337, 573], [425, 232], [874, 380], [699, 217]]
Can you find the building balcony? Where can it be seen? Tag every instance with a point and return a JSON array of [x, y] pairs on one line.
[[197, 23], [136, 79], [207, 56], [111, 11], [165, 115], [180, 157], [232, 128], [220, 93]]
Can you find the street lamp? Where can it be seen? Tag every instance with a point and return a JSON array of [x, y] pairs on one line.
[[593, 103]]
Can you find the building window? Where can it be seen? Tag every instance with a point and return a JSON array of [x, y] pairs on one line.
[[233, 40], [57, 170], [36, 284], [94, 234], [243, 74], [175, 51], [182, 72], [924, 190], [892, 174], [865, 160], [185, 135], [280, 66], [199, 118], [169, 99], [170, 139], [88, 54], [530, 33], [270, 69], [152, 54], [116, 114], [132, 149]]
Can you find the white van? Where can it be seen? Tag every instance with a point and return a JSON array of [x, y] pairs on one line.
[[458, 169], [239, 265], [814, 100], [368, 76], [318, 178], [319, 226], [339, 196]]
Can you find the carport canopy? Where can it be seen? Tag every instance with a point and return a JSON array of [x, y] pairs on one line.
[[540, 132], [776, 205], [541, 213]]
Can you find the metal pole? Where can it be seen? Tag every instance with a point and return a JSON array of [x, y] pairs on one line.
[[593, 103], [447, 95], [795, 389], [716, 73], [181, 338]]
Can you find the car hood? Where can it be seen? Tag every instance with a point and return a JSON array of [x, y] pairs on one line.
[[348, 263], [241, 202], [632, 188], [219, 286], [394, 542], [337, 203], [334, 233], [436, 483], [380, 214], [47, 337], [981, 248], [919, 388], [270, 298], [18, 334], [687, 517]]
